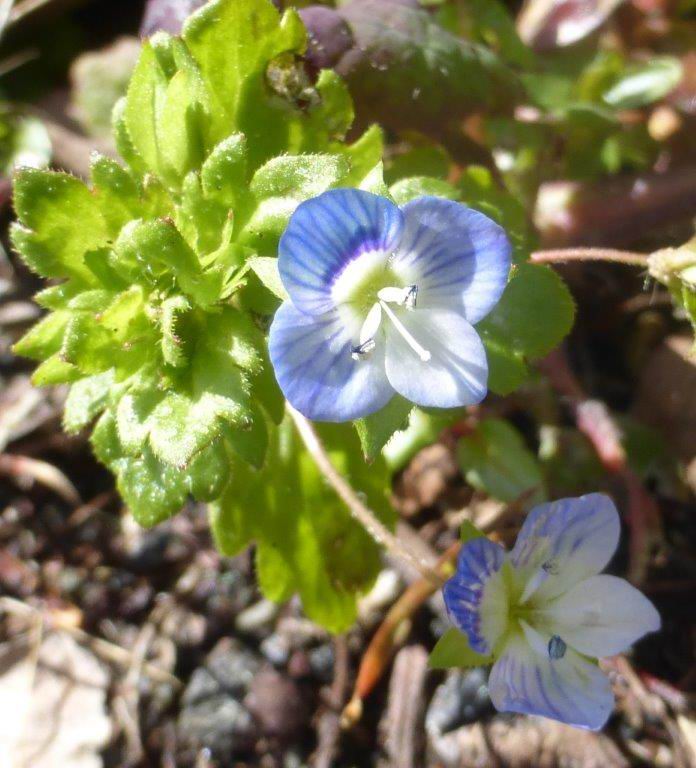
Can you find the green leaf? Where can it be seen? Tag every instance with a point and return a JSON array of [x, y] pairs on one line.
[[132, 418], [152, 489], [423, 429], [534, 315], [409, 189], [493, 25], [235, 335], [376, 430], [645, 83], [180, 427], [266, 269], [306, 540], [146, 94], [86, 399], [468, 532], [430, 160], [25, 141], [233, 41], [480, 191], [495, 459], [250, 440], [165, 110], [205, 224], [507, 369], [123, 141], [45, 338], [61, 221], [225, 170], [87, 344], [298, 176], [279, 186], [172, 342], [209, 472], [117, 193], [54, 370], [363, 155], [115, 334], [453, 650], [159, 246]]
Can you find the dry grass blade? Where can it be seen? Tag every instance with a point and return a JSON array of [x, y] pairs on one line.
[[5, 9], [22, 468]]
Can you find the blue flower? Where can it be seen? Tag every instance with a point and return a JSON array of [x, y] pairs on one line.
[[543, 612], [382, 300]]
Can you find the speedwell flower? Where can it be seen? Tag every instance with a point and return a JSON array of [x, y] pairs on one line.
[[543, 612], [382, 300]]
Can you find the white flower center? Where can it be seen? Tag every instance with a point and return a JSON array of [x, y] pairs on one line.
[[402, 297]]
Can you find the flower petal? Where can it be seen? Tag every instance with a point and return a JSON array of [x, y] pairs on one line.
[[457, 257], [312, 360], [602, 616], [327, 233], [456, 373], [569, 689], [564, 542], [476, 597]]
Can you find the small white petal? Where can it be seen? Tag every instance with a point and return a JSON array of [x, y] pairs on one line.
[[568, 689], [602, 616], [456, 372]]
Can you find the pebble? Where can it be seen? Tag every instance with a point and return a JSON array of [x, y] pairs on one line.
[[213, 713], [462, 699]]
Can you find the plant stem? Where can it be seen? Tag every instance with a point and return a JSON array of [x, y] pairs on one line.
[[365, 516], [557, 255]]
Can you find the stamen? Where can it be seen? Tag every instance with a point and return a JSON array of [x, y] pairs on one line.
[[408, 338], [358, 352], [404, 297], [557, 648], [551, 567]]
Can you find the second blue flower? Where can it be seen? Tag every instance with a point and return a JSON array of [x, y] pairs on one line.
[[383, 300]]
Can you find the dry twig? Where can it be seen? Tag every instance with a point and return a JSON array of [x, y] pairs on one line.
[[594, 420], [329, 720], [365, 516], [561, 255], [108, 651]]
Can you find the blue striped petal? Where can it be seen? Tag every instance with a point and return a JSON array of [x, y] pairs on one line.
[[327, 233], [456, 373], [476, 597], [311, 357], [458, 258], [566, 541], [569, 689]]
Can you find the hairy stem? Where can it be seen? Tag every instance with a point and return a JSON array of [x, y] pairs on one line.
[[560, 255], [365, 516]]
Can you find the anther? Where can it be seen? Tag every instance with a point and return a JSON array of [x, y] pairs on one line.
[[411, 296], [557, 648], [359, 351], [551, 567]]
